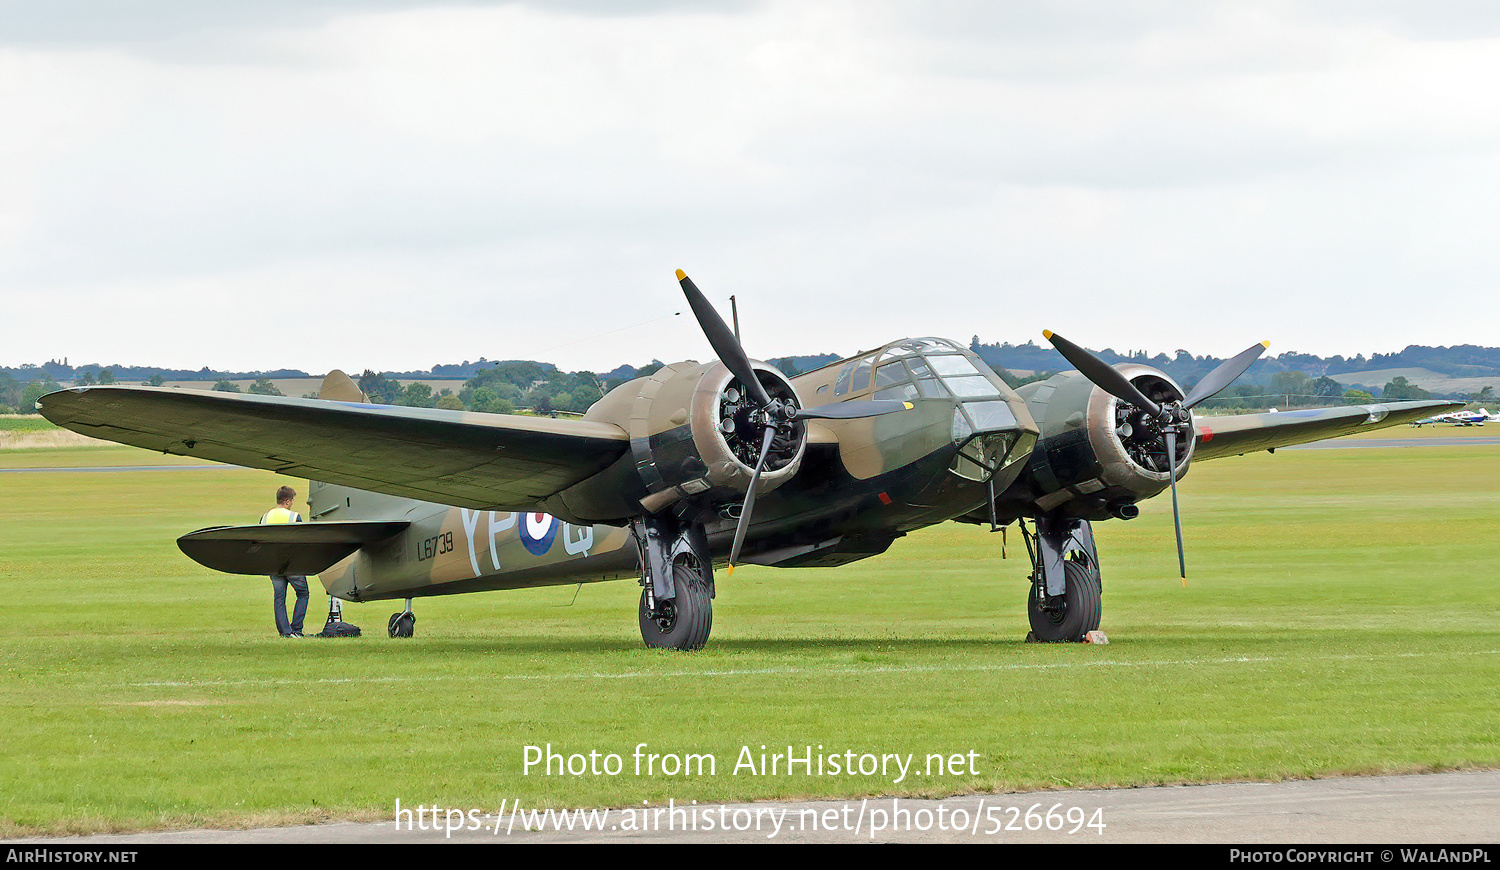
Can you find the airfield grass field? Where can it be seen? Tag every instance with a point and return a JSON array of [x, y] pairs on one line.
[[1341, 616]]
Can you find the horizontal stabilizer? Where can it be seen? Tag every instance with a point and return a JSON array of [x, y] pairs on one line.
[[289, 548]]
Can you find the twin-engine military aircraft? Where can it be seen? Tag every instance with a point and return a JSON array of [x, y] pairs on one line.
[[699, 466]]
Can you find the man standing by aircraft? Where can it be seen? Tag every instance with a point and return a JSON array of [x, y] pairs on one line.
[[283, 513]]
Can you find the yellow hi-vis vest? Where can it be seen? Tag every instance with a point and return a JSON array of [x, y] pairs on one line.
[[280, 515]]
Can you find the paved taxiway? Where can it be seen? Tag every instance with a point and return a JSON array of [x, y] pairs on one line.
[[1454, 807]]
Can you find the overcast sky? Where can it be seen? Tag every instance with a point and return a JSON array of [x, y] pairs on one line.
[[315, 184]]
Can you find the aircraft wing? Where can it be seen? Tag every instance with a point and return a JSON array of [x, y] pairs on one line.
[[481, 461], [1247, 433]]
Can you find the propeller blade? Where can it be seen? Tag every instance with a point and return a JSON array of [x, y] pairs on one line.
[[721, 337], [852, 410], [1176, 512], [1224, 375], [1104, 375], [739, 530]]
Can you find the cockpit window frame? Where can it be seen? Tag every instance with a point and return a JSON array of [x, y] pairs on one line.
[[854, 377]]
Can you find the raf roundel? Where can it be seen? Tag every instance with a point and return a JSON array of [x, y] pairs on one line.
[[538, 531]]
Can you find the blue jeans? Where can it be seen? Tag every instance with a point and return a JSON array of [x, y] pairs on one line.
[[278, 602]]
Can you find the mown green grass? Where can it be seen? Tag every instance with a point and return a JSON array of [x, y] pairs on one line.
[[25, 423], [94, 457], [1333, 622]]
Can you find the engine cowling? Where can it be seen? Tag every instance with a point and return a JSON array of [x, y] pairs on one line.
[[694, 435], [1097, 455]]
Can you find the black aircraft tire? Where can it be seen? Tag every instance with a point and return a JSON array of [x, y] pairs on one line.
[[1085, 607], [692, 613]]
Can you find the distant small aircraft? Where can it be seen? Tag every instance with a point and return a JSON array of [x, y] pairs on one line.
[[1460, 418], [660, 479]]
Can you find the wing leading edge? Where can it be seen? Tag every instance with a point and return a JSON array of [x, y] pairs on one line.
[[473, 460], [1246, 433]]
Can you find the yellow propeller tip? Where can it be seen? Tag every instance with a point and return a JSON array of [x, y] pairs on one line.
[[908, 405], [1047, 334], [1266, 345], [731, 570], [681, 274]]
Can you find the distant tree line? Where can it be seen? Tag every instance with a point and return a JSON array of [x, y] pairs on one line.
[[261, 387], [60, 370], [1185, 368], [502, 388], [1286, 380], [18, 397], [1458, 361]]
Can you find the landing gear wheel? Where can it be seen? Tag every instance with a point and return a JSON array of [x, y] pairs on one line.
[[403, 624], [1081, 611], [683, 622]]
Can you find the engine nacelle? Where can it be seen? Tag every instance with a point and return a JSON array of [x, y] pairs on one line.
[[695, 435], [1097, 456]]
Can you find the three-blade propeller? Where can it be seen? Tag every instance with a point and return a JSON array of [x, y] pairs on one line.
[[775, 415], [1173, 418]]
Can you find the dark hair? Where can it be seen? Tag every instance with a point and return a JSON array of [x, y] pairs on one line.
[[286, 493]]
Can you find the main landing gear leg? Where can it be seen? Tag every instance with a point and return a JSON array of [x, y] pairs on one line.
[[677, 584], [1064, 603], [403, 624]]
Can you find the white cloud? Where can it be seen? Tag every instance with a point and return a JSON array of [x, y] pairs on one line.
[[428, 183]]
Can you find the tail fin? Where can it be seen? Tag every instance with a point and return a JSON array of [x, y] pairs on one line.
[[324, 498], [339, 387]]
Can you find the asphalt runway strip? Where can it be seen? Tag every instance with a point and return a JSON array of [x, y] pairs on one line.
[[1444, 808]]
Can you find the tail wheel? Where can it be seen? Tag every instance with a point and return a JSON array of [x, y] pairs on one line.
[[1082, 607], [403, 624], [685, 621]]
